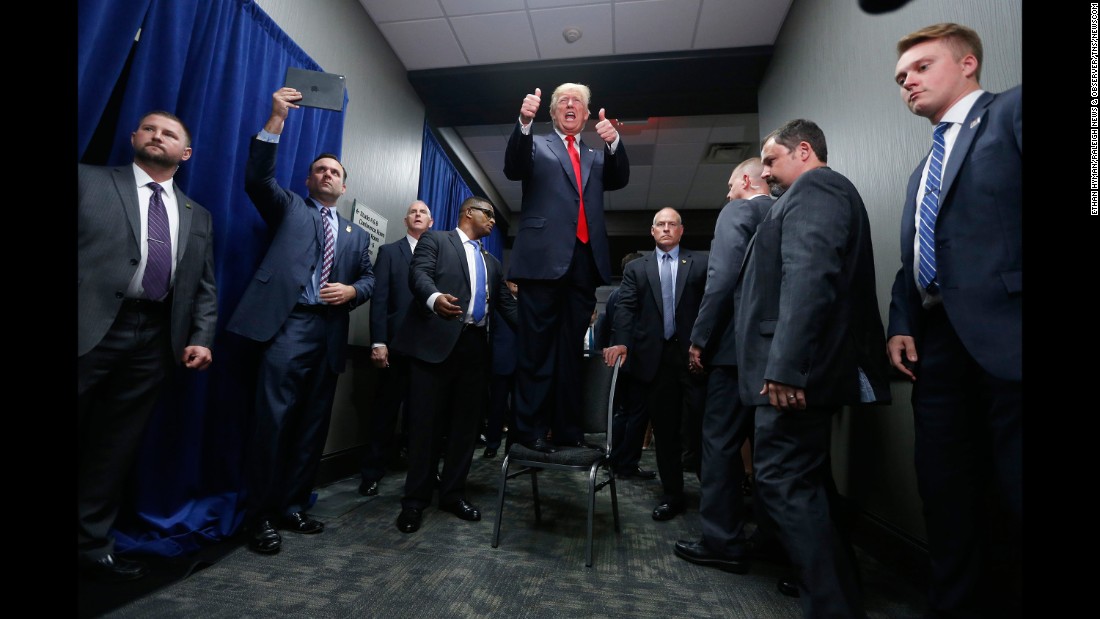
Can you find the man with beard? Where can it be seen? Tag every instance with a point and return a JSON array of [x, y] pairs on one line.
[[145, 296]]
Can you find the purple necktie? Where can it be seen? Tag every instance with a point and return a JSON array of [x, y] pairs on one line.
[[158, 263], [330, 246]]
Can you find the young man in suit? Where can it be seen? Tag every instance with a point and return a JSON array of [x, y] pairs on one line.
[[658, 303], [956, 318], [389, 303], [316, 270], [559, 258], [809, 341], [145, 296], [727, 422], [458, 293]]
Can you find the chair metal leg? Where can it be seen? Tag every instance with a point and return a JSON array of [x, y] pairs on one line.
[[535, 494], [591, 514], [500, 502], [614, 500]]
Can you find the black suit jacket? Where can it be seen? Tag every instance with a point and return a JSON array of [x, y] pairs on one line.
[[392, 294], [805, 309], [439, 265], [713, 330], [639, 311]]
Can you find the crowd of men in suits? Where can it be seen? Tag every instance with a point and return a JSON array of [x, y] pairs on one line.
[[762, 339]]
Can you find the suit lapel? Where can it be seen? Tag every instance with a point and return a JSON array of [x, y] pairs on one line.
[[125, 184], [183, 207], [557, 146], [654, 277], [587, 157], [456, 244], [963, 141], [681, 274]]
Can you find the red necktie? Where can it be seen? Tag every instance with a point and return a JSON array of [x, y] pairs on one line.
[[582, 221]]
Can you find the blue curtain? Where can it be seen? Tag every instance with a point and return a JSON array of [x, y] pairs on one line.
[[215, 64], [443, 190]]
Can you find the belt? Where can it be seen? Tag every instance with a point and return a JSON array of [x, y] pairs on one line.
[[319, 308], [144, 306], [472, 328]]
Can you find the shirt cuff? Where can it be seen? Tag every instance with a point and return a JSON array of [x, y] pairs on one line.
[[264, 136], [525, 129], [611, 147], [431, 301], [378, 345]]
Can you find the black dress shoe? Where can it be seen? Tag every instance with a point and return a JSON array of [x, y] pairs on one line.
[[113, 568], [489, 453], [301, 523], [636, 473], [540, 445], [263, 538], [788, 586], [667, 511], [699, 554], [409, 519], [368, 488], [463, 510]]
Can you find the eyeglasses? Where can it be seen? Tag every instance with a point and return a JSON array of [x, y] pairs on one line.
[[488, 211]]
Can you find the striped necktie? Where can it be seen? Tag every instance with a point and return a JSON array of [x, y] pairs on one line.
[[158, 263], [930, 209], [330, 246]]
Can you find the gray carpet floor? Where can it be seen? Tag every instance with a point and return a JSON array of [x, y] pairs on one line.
[[362, 566]]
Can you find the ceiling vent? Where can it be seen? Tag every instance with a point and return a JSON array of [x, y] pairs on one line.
[[728, 152]]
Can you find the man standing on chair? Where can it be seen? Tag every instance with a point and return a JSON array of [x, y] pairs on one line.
[[559, 258], [956, 321], [458, 293], [146, 299], [727, 423], [316, 270], [658, 302], [388, 306]]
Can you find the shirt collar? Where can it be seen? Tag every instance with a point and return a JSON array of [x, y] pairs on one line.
[[142, 177], [675, 253], [958, 112]]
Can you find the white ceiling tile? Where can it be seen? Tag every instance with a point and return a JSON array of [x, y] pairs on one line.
[[542, 4], [674, 174], [737, 23], [478, 130], [679, 154], [401, 10], [666, 195], [655, 25], [424, 44], [496, 38], [474, 7], [594, 22]]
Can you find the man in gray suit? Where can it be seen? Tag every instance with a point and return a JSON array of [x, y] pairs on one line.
[[145, 296], [726, 421], [809, 341]]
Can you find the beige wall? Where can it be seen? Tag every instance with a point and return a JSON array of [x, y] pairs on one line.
[[834, 64], [383, 127]]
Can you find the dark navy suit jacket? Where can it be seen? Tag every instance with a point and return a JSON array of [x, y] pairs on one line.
[[979, 232], [392, 294], [551, 203]]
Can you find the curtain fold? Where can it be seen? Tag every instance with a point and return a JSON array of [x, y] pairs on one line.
[[215, 64], [443, 190]]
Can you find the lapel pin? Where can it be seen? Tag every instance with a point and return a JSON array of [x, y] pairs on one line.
[[682, 261], [974, 123], [187, 204], [348, 229]]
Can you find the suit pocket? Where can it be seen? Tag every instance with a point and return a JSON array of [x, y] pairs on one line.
[[532, 222], [1013, 281], [767, 327], [263, 275]]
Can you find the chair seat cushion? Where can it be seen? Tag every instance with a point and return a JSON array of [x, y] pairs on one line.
[[571, 456]]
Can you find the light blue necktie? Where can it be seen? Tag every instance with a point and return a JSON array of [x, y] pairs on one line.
[[929, 209], [479, 284], [668, 295]]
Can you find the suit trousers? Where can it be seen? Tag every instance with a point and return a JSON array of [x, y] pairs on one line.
[[726, 424], [118, 383], [446, 398], [553, 317], [795, 486], [294, 395], [968, 459], [382, 440], [629, 422]]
